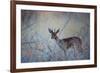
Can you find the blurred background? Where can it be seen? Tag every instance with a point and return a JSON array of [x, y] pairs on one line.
[[36, 42]]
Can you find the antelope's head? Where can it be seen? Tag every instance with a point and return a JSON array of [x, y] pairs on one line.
[[53, 33]]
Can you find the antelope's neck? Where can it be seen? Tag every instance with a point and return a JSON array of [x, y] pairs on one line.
[[57, 39]]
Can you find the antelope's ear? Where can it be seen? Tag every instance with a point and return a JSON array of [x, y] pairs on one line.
[[57, 31], [50, 30]]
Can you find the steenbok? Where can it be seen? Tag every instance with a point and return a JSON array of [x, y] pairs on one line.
[[67, 43]]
